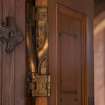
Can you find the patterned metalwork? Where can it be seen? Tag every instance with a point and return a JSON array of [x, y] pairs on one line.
[[42, 39], [37, 48], [41, 86], [10, 35]]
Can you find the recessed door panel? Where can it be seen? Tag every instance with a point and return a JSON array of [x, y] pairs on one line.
[[71, 52]]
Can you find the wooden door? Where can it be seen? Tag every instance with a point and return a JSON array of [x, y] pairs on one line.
[[71, 56], [12, 66], [70, 52]]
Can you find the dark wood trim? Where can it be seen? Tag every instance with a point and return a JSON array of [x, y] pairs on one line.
[[85, 67], [1, 56], [52, 22], [20, 55]]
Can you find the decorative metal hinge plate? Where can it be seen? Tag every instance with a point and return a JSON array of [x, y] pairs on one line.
[[10, 35], [41, 86]]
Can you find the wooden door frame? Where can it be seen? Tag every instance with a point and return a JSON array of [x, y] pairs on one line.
[[53, 54], [53, 39]]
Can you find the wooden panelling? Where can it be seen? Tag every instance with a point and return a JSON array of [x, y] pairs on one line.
[[52, 51], [0, 58], [12, 66], [8, 66], [20, 56], [1, 7], [8, 79], [1, 74], [71, 56], [84, 7], [13, 71]]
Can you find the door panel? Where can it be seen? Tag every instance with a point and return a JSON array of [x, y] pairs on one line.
[[71, 52]]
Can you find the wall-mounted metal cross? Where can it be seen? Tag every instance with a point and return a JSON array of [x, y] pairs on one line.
[[10, 35]]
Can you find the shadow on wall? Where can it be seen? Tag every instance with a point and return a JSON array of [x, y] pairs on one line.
[[99, 59]]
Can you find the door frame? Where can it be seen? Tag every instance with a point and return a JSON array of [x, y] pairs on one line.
[[53, 54]]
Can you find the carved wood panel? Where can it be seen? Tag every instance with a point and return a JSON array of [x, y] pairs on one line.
[[71, 56], [12, 66], [37, 48]]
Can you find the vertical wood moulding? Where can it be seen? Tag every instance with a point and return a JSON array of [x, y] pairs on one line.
[[5, 61], [11, 80], [5, 79], [0, 58], [0, 75], [85, 70], [20, 56], [11, 12], [1, 7], [52, 22]]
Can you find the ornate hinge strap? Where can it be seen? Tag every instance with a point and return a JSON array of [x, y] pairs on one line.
[[31, 59], [42, 79], [37, 49], [10, 35]]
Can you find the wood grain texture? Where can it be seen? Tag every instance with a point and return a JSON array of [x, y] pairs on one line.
[[1, 7], [84, 9], [12, 65], [8, 64], [0, 58], [52, 52], [20, 56], [12, 8], [71, 41], [8, 80], [0, 75]]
